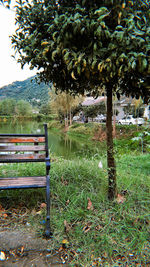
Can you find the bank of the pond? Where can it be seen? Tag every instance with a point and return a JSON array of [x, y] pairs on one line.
[[32, 117], [92, 129], [127, 137]]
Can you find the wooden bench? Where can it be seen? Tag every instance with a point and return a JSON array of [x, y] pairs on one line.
[[17, 148]]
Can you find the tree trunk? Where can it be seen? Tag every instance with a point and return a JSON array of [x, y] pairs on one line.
[[70, 117], [112, 187], [114, 121], [114, 126]]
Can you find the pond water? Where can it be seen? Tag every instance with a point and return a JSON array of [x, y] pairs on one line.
[[59, 144]]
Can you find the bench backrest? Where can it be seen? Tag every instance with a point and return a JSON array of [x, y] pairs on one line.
[[24, 147]]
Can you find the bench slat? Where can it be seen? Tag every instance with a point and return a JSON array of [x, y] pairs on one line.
[[18, 182], [11, 157], [21, 148], [22, 139]]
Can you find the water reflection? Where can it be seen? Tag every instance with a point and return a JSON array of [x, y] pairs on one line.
[[59, 144]]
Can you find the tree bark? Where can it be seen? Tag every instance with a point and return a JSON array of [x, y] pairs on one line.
[[70, 117], [112, 186]]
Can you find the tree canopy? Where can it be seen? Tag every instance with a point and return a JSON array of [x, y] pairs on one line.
[[88, 46], [83, 45]]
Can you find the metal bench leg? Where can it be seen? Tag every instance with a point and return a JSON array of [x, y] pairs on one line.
[[48, 232]]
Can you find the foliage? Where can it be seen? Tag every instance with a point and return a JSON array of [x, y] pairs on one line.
[[136, 108], [45, 109], [7, 107], [28, 90], [63, 104], [142, 140], [10, 107], [93, 110], [23, 108], [87, 44]]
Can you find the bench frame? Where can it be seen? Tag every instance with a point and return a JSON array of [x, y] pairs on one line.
[[34, 155]]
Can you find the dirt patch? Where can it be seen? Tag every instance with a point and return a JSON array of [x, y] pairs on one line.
[[22, 247]]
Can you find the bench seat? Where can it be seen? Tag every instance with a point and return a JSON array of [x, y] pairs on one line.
[[22, 182]]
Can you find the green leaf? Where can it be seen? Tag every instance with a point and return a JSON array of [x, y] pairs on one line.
[[95, 47], [54, 53], [102, 17], [79, 70], [138, 32], [101, 10], [54, 35]]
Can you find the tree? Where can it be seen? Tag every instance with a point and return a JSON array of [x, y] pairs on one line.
[[94, 110], [64, 103], [45, 109], [23, 108], [84, 45], [7, 107], [138, 109], [10, 107]]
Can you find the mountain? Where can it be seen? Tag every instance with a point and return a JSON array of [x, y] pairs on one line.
[[28, 90]]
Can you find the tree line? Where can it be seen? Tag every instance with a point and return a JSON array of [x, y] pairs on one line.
[[11, 107]]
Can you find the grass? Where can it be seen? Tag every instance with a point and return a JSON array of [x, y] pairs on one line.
[[108, 232], [99, 232]]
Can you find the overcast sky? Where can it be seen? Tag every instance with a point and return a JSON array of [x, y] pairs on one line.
[[10, 70]]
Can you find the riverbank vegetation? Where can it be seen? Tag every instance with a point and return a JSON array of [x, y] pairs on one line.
[[11, 107], [93, 131], [95, 230]]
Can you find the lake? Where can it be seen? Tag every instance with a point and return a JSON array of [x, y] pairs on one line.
[[59, 144]]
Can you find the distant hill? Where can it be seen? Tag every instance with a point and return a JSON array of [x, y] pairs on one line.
[[28, 90]]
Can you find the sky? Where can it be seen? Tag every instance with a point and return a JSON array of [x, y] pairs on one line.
[[10, 70]]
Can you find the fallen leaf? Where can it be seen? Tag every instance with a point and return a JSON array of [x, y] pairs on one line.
[[39, 212], [120, 199], [65, 182], [22, 249], [67, 202], [98, 227], [89, 206], [65, 241], [5, 215], [105, 255], [43, 206], [87, 227]]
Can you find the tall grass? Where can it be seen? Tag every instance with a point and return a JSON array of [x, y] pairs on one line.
[[109, 228]]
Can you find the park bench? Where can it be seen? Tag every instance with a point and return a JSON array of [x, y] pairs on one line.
[[18, 148]]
